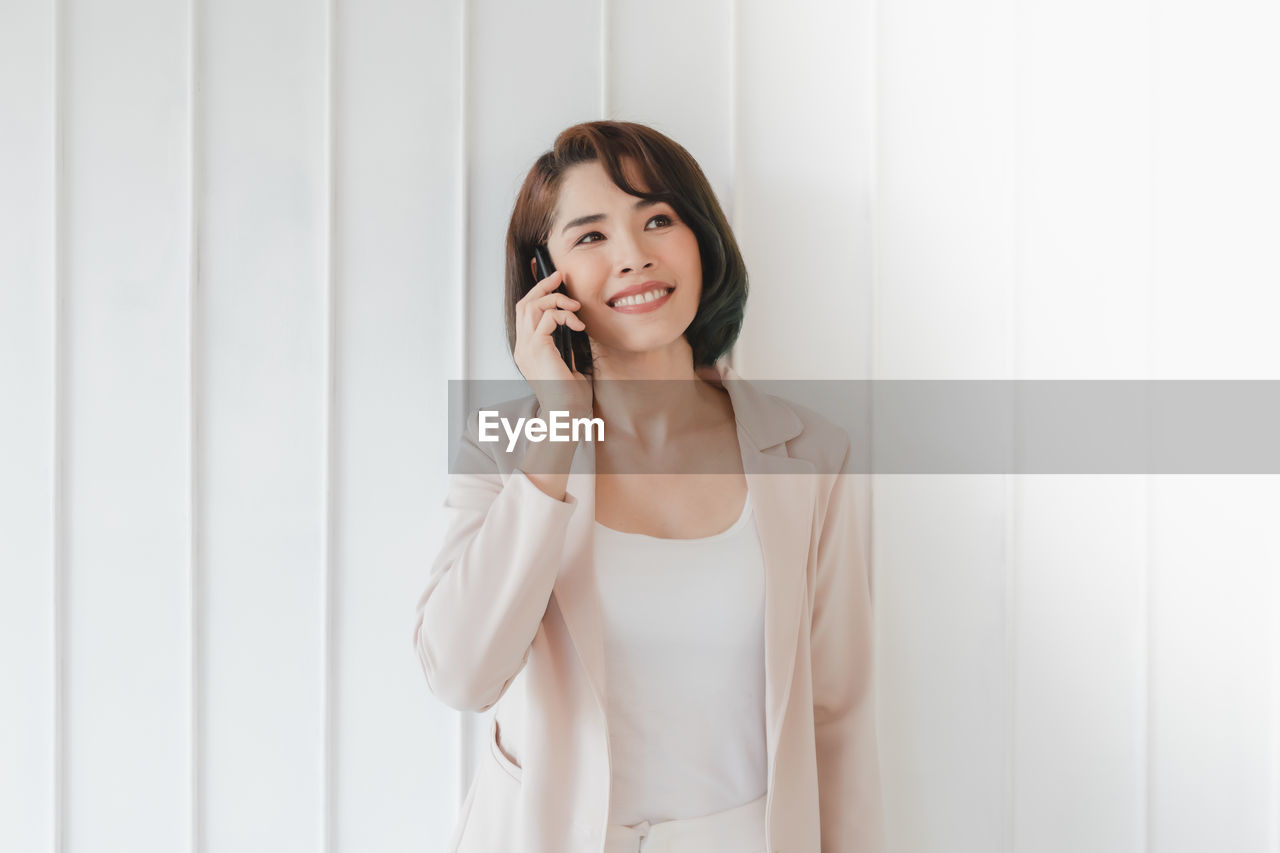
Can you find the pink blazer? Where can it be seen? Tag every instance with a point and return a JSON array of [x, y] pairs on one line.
[[511, 600]]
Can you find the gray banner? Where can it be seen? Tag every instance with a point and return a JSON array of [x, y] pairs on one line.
[[1139, 427]]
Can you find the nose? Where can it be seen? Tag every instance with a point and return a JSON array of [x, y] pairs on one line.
[[631, 255], [626, 270]]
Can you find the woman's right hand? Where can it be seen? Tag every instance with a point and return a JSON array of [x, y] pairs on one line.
[[538, 313]]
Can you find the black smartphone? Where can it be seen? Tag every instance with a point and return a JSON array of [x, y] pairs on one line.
[[562, 335]]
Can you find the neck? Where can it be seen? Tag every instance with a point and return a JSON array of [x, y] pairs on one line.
[[651, 396]]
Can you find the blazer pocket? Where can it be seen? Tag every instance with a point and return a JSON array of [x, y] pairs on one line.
[[499, 754], [490, 821]]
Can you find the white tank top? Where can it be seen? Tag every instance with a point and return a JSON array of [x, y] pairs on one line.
[[684, 658]]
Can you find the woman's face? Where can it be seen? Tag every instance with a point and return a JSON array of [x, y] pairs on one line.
[[610, 244]]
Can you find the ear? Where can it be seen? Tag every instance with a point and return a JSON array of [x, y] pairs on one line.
[[533, 268]]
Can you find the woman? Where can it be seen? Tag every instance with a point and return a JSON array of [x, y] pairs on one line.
[[680, 661]]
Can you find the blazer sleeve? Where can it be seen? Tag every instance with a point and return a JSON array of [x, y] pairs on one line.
[[489, 586], [842, 654]]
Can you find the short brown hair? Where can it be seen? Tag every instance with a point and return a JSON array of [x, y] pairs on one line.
[[672, 176]]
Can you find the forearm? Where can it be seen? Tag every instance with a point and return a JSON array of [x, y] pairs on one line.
[[488, 592]]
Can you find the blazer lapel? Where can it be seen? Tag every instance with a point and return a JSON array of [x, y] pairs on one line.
[[782, 493], [782, 490]]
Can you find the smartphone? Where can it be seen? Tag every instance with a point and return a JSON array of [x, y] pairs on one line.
[[562, 335]]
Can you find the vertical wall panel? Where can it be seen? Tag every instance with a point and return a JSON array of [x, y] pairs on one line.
[[1080, 644], [1214, 557], [262, 404], [27, 470], [127, 465], [945, 247], [1215, 560], [677, 79], [1084, 278], [1217, 181], [945, 213], [1084, 189], [939, 555], [396, 110], [802, 188], [533, 71]]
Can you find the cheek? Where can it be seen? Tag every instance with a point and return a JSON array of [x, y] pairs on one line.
[[583, 281], [689, 250], [693, 263]]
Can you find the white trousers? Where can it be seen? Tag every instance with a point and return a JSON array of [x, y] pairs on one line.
[[738, 830]]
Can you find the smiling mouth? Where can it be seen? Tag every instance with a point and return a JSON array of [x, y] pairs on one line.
[[641, 298]]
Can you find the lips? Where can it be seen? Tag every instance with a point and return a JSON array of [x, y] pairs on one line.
[[644, 305], [638, 289]]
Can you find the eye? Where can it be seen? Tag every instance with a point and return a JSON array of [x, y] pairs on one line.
[[661, 220]]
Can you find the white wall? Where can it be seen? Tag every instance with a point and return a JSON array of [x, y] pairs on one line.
[[243, 246]]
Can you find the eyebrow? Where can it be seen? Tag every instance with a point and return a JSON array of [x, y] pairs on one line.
[[599, 217]]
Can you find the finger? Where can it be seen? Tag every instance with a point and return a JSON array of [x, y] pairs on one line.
[[546, 324], [541, 288], [558, 317], [568, 318], [539, 291], [535, 317], [529, 310], [558, 300]]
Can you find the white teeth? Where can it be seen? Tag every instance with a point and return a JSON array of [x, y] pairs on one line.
[[641, 298]]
